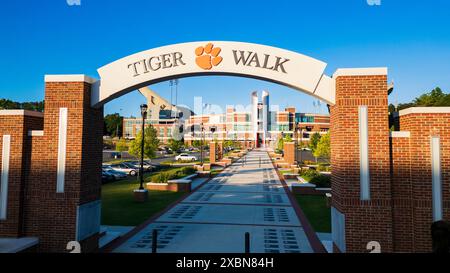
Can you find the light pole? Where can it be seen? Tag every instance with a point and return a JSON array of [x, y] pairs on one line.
[[296, 145], [201, 143], [144, 109], [141, 194], [301, 146]]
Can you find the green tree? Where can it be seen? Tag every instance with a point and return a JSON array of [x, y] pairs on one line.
[[113, 125], [435, 97], [323, 148], [122, 146], [197, 143], [175, 145], [315, 138], [282, 140], [151, 143]]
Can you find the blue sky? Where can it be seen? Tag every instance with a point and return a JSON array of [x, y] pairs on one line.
[[412, 38]]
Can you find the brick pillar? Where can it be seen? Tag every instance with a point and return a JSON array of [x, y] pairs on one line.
[[65, 176], [219, 151], [15, 154], [289, 152], [422, 124], [212, 152], [360, 158]]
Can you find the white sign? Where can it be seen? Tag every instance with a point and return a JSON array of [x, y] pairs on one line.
[[213, 58]]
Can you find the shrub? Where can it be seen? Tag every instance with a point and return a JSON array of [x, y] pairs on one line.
[[323, 168], [309, 173], [165, 176], [321, 181], [189, 170], [160, 178], [309, 162]]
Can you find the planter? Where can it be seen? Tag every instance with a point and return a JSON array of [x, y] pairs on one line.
[[176, 185], [309, 189], [140, 196], [204, 174], [290, 176]]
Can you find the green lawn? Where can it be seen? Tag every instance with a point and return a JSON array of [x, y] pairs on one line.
[[316, 211], [119, 207]]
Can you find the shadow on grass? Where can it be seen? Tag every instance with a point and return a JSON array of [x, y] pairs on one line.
[[317, 212], [119, 207]]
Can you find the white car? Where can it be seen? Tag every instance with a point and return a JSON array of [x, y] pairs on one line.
[[185, 157], [121, 167]]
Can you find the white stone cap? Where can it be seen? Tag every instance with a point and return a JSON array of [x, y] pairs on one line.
[[425, 110], [36, 133], [400, 134], [369, 71], [21, 113], [70, 78]]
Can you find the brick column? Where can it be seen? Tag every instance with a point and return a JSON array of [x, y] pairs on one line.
[[360, 157], [212, 152], [423, 124], [15, 154], [65, 176], [289, 153], [219, 151]]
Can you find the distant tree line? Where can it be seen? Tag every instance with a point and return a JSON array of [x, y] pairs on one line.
[[434, 98], [6, 104]]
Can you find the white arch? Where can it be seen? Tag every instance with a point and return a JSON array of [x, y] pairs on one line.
[[277, 65]]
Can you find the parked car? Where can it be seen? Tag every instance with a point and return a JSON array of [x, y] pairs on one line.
[[106, 177], [117, 175], [137, 164], [122, 167], [185, 157]]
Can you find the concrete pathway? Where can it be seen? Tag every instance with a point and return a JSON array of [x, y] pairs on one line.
[[246, 197]]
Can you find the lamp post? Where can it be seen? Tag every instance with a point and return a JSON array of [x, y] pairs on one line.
[[296, 144], [201, 143], [301, 145], [144, 109], [141, 195]]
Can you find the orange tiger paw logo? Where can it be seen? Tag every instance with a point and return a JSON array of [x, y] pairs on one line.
[[208, 56]]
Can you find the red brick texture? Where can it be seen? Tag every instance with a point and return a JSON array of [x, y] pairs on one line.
[[398, 215], [46, 214], [17, 127], [289, 152], [416, 197], [365, 221], [402, 210]]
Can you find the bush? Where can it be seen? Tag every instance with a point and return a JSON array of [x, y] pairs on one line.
[[165, 176], [189, 170], [160, 178], [309, 162], [323, 168], [309, 173], [321, 181]]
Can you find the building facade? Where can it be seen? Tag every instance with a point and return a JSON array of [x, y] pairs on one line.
[[259, 126], [166, 118]]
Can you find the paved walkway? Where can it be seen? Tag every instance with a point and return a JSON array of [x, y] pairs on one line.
[[214, 219]]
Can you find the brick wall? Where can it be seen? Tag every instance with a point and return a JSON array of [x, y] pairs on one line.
[[364, 220], [47, 212], [402, 195], [17, 127], [422, 126]]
